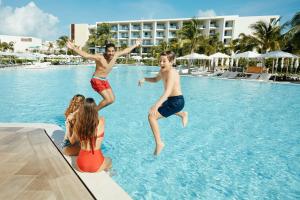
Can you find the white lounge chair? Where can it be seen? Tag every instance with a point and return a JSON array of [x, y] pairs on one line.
[[264, 77], [254, 76], [232, 75], [225, 74]]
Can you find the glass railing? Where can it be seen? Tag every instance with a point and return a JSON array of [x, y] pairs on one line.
[[147, 27], [136, 28], [160, 27], [124, 28]]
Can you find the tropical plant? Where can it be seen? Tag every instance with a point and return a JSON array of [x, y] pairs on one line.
[[190, 34], [292, 36], [61, 42], [267, 35]]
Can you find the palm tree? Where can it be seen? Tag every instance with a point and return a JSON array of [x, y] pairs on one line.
[[191, 34], [266, 36], [50, 46], [61, 41], [292, 37]]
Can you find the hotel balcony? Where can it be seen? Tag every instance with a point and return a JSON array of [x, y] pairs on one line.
[[135, 36], [173, 26], [114, 28], [124, 28], [147, 27], [228, 33], [146, 42], [124, 36], [201, 26], [136, 28], [229, 24], [160, 26]]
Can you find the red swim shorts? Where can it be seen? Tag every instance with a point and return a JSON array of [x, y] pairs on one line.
[[100, 84]]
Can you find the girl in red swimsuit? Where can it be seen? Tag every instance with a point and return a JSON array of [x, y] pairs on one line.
[[89, 130]]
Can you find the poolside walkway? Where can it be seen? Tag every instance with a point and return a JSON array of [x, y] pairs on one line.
[[32, 168]]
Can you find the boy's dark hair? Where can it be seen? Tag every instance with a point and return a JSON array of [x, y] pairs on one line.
[[170, 55], [108, 45]]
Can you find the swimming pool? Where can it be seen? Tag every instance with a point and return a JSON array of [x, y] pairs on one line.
[[242, 140]]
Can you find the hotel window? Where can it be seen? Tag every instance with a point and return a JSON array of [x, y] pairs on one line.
[[147, 35], [228, 24], [160, 26], [148, 26], [174, 25]]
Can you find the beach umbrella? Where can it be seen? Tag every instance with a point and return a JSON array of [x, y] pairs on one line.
[[219, 55], [278, 54], [297, 63], [136, 57], [227, 61], [247, 54], [282, 63]]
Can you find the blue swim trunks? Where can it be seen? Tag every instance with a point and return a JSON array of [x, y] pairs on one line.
[[171, 106]]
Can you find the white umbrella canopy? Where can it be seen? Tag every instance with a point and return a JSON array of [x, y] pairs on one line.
[[219, 55], [247, 54], [196, 56], [149, 58], [7, 54], [278, 54], [297, 63], [136, 57]]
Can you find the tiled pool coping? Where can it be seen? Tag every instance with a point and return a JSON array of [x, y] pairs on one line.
[[101, 185]]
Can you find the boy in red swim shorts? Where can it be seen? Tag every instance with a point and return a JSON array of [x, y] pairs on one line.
[[104, 64]]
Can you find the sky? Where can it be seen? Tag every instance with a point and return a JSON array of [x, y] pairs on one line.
[[49, 19]]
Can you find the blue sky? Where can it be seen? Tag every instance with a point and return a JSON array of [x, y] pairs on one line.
[[51, 18]]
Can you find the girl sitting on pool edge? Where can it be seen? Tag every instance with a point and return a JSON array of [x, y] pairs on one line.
[[89, 131], [70, 114]]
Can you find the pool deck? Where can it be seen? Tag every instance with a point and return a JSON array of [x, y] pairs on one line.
[[33, 167]]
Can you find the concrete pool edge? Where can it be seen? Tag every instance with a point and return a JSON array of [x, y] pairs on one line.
[[101, 185]]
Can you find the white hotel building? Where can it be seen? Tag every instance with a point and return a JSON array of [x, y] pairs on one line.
[[155, 31]]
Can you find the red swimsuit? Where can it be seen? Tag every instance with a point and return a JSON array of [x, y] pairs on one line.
[[90, 160]]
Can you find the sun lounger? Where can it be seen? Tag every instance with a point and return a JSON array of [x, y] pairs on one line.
[[264, 77], [254, 76], [232, 75], [225, 74]]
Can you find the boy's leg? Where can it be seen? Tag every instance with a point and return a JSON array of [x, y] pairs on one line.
[[108, 98], [155, 130], [184, 117]]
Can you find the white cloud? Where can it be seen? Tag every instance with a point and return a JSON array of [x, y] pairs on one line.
[[206, 13], [28, 20]]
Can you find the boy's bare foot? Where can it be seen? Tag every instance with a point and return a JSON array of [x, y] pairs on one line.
[[159, 148], [185, 118]]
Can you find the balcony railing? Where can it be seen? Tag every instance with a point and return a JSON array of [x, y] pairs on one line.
[[160, 27], [124, 28], [135, 36], [147, 27], [136, 28], [147, 43]]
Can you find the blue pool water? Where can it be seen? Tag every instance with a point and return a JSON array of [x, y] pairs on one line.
[[242, 140]]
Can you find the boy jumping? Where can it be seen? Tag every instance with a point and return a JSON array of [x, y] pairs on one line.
[[171, 102], [104, 64]]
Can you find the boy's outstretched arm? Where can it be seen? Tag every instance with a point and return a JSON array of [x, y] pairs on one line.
[[152, 80], [129, 49], [168, 90], [84, 54]]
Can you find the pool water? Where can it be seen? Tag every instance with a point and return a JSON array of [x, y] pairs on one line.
[[242, 140]]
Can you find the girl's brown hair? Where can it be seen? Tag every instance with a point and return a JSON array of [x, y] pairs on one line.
[[87, 122]]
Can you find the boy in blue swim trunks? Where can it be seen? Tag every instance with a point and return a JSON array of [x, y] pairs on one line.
[[171, 102]]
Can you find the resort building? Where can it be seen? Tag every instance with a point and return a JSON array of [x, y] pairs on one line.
[[22, 43], [155, 31]]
